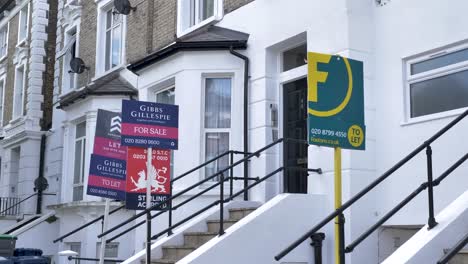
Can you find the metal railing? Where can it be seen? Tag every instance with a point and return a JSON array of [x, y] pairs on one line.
[[453, 251], [223, 198], [13, 204], [9, 206], [101, 218], [429, 185]]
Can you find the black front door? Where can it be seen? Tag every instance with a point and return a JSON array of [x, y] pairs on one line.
[[295, 126]]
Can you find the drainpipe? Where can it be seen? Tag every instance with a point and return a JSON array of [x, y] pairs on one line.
[[246, 115], [40, 179]]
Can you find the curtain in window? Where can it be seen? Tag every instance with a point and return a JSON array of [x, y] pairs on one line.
[[217, 122], [218, 103]]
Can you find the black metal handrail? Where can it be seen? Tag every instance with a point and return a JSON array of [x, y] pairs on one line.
[[453, 251], [123, 206], [87, 224], [405, 201], [173, 197], [430, 184], [208, 179]]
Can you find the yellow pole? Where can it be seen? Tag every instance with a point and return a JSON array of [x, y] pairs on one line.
[[337, 202]]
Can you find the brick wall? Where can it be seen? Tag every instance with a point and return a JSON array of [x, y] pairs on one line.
[[137, 34], [10, 76], [87, 47], [231, 5], [48, 89], [165, 23]]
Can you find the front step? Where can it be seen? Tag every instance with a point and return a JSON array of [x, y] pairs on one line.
[[196, 239], [193, 240], [176, 252], [460, 258]]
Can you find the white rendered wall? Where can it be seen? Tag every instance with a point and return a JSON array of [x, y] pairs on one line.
[[273, 232], [427, 246], [403, 29]]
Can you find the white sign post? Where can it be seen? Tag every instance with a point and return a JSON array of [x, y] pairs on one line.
[[104, 229], [149, 156]]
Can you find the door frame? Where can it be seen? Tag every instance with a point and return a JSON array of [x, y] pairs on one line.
[[284, 78]]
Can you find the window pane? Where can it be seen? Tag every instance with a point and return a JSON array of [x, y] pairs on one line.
[[441, 61], [216, 143], [440, 94], [78, 161], [218, 103], [3, 41], [109, 19], [18, 98], [23, 23], [77, 193], [166, 97], [83, 153], [108, 50], [295, 57], [206, 9], [81, 130], [116, 43]]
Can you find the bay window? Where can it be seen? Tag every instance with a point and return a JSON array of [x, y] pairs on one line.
[[167, 96], [217, 122]]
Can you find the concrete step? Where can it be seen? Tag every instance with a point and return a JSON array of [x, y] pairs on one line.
[[213, 225], [161, 261], [196, 239], [176, 252], [239, 213], [460, 258]]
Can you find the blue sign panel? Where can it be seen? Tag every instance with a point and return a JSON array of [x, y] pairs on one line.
[[147, 124]]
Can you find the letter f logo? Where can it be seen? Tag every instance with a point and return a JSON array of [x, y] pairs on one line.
[[316, 76]]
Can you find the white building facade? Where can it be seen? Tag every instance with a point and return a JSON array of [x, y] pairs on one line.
[[195, 54]]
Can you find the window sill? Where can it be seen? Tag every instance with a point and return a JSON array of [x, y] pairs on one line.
[[100, 75], [21, 43], [191, 29], [16, 120], [433, 117]]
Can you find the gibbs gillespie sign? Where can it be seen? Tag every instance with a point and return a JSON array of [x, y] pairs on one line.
[[335, 101], [147, 124]]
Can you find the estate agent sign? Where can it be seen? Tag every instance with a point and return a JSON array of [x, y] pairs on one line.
[[137, 176], [147, 124], [335, 101], [107, 170]]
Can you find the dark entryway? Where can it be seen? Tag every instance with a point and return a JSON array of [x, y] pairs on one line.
[[295, 126]]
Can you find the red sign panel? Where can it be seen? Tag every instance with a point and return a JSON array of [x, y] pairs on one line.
[[137, 177]]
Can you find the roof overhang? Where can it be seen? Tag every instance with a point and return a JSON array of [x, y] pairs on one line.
[[204, 39]]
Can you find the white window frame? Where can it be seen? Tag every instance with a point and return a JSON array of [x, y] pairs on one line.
[[21, 112], [98, 250], [156, 100], [83, 141], [7, 26], [217, 16], [21, 13], [2, 87], [66, 67], [427, 75], [103, 7], [204, 130]]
